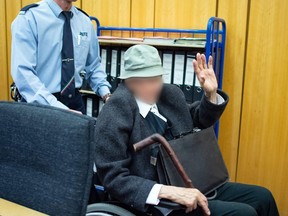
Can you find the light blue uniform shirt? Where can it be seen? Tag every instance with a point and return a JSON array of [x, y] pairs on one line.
[[36, 53]]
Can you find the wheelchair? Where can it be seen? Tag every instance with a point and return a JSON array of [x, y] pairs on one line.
[[101, 204], [104, 204]]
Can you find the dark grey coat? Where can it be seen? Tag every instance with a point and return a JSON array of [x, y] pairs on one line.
[[128, 176]]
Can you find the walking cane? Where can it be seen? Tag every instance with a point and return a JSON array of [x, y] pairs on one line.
[[160, 139]]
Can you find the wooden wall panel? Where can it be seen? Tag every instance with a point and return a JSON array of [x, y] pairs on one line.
[[27, 2], [185, 14], [235, 15], [107, 12], [110, 12], [264, 139], [3, 54], [142, 15]]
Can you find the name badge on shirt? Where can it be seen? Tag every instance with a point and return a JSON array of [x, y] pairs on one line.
[[82, 37]]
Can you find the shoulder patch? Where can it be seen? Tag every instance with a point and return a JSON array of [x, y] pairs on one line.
[[83, 11], [28, 7]]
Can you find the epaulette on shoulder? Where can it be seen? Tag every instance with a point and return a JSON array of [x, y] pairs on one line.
[[28, 7], [83, 11]]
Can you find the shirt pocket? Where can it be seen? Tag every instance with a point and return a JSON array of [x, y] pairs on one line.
[[81, 50]]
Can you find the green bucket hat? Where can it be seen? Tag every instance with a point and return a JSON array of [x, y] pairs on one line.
[[142, 61]]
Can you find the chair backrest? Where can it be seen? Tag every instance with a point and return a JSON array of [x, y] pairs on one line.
[[46, 158]]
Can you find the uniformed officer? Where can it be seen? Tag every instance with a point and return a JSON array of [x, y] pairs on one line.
[[52, 43]]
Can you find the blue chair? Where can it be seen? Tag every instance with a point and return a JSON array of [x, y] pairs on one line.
[[46, 158]]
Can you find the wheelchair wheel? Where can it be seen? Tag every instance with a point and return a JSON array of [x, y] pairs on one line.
[[106, 209]]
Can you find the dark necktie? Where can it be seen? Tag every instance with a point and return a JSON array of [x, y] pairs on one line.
[[157, 125], [68, 67]]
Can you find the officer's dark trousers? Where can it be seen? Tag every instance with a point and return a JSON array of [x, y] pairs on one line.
[[239, 200], [75, 102]]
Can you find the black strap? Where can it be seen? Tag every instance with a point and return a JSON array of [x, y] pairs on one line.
[[28, 7], [84, 12]]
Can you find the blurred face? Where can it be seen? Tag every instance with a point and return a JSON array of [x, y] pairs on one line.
[[147, 90]]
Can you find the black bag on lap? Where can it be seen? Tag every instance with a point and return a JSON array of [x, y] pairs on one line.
[[201, 158]]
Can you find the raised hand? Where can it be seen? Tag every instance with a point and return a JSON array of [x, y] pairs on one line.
[[206, 76]]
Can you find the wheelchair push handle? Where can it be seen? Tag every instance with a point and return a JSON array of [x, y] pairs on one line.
[[160, 139]]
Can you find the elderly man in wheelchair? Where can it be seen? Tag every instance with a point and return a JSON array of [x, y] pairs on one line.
[[141, 106]]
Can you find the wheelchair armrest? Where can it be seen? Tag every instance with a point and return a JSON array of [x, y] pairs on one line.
[[164, 203]]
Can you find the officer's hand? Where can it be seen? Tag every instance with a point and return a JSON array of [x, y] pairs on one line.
[[75, 111], [189, 197], [206, 76], [107, 99]]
